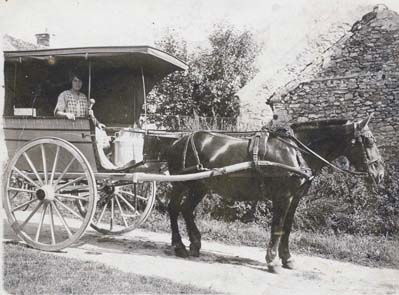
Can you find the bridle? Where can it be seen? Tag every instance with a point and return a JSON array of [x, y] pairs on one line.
[[360, 136]]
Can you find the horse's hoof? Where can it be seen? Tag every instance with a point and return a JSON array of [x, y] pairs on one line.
[[194, 253], [289, 264], [194, 250], [181, 252], [273, 268]]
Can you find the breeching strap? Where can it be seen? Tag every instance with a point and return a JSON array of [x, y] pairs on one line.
[[199, 166]]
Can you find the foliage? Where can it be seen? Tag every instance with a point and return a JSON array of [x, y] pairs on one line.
[[214, 76], [173, 95], [343, 203], [222, 71]]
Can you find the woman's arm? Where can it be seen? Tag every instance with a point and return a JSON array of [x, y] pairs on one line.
[[61, 114]]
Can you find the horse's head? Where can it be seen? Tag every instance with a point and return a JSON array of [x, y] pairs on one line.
[[363, 153]]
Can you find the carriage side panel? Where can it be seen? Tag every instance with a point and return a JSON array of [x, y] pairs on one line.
[[19, 131]]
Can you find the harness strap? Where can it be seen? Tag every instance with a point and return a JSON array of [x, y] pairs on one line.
[[255, 150], [195, 152], [292, 145], [190, 140], [258, 146], [185, 151]]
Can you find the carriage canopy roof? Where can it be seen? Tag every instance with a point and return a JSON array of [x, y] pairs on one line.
[[153, 60], [115, 74]]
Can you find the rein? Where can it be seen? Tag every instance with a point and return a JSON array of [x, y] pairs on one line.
[[314, 154]]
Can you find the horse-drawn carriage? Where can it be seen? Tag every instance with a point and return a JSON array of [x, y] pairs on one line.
[[61, 178], [58, 170]]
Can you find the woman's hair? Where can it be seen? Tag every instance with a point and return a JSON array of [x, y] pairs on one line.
[[72, 75]]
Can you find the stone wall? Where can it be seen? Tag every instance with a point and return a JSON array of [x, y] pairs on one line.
[[360, 77]]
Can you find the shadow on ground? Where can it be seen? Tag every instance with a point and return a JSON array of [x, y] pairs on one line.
[[143, 246]]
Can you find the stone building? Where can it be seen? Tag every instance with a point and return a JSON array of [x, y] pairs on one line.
[[358, 76]]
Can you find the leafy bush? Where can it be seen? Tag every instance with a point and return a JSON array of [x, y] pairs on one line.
[[341, 203]]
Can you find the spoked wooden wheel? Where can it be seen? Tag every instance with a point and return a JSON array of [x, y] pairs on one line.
[[121, 209], [44, 181]]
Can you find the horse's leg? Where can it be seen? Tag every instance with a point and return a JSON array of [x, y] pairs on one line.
[[194, 197], [174, 208], [284, 251], [280, 209]]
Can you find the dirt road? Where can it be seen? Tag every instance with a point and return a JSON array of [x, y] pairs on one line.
[[228, 269]]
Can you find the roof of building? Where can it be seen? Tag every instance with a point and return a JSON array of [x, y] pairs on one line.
[[313, 69], [12, 43]]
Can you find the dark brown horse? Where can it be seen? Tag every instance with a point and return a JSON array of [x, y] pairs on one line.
[[206, 150]]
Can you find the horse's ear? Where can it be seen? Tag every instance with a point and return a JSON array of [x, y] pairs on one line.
[[363, 123]]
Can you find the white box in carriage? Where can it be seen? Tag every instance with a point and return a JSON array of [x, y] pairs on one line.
[[25, 112], [128, 146]]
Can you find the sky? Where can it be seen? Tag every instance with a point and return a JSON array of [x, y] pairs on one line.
[[129, 22], [283, 26]]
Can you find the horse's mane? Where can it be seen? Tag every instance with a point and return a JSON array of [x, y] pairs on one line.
[[318, 131], [319, 124]]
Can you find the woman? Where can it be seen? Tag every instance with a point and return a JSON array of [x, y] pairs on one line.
[[73, 104]]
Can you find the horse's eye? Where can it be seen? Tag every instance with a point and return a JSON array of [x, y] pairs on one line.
[[369, 141]]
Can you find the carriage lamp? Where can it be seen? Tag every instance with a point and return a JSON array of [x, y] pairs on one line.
[[51, 60]]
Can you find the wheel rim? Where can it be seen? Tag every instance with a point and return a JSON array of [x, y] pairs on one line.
[[45, 179], [125, 208]]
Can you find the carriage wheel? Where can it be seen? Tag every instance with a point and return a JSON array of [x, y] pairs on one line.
[[44, 180], [121, 209]]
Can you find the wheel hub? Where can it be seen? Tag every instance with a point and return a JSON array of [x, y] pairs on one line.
[[46, 192], [109, 189]]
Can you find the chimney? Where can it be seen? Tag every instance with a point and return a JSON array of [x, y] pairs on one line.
[[43, 39]]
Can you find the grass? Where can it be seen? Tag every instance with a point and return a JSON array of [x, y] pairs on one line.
[[364, 250], [29, 271]]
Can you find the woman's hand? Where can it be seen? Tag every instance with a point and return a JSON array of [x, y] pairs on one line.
[[101, 126], [70, 116]]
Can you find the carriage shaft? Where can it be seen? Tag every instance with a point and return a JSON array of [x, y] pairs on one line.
[[143, 176], [140, 176]]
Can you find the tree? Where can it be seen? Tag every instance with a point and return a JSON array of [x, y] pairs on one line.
[[215, 75], [171, 96], [223, 70]]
